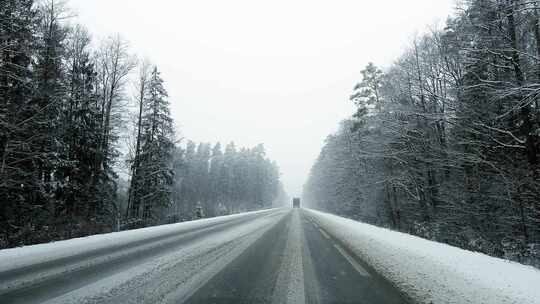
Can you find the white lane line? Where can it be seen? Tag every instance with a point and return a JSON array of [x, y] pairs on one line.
[[324, 234], [354, 264]]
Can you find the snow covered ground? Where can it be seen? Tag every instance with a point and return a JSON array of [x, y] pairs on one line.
[[168, 264], [32, 264], [432, 273]]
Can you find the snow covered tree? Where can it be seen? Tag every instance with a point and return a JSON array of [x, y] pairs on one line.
[[142, 88], [18, 179], [226, 182], [113, 65], [366, 95], [152, 173], [61, 114], [80, 132], [452, 152]]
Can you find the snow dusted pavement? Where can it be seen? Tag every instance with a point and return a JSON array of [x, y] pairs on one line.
[[141, 266], [272, 256], [296, 262], [289, 286]]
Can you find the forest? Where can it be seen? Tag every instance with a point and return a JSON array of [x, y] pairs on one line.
[[68, 105], [445, 142]]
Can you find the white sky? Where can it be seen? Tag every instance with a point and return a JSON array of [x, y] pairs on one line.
[[277, 72]]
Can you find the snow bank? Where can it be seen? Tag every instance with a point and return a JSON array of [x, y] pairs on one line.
[[430, 272], [21, 257]]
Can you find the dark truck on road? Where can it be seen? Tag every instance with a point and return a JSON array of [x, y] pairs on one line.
[[296, 202]]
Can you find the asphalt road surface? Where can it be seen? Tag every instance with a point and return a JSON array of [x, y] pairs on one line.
[[296, 262], [280, 256]]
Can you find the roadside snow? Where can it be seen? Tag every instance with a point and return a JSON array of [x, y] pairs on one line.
[[432, 273], [96, 249], [31, 255]]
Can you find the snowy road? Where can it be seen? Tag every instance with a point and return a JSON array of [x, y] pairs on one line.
[[276, 256], [296, 262]]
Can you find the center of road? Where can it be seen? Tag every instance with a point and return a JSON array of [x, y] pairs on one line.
[[290, 283], [298, 262]]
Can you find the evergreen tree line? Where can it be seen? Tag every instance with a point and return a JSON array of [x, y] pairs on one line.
[[224, 180], [64, 108], [445, 143]]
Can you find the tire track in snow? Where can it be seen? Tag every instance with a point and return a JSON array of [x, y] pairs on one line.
[[174, 277]]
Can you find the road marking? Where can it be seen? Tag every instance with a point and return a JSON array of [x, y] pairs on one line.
[[354, 264], [324, 234]]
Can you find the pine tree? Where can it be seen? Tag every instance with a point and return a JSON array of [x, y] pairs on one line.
[[80, 132], [216, 182], [154, 176], [143, 84], [202, 177], [49, 99], [18, 180], [367, 96]]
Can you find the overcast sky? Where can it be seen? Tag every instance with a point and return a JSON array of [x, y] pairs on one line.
[[277, 72]]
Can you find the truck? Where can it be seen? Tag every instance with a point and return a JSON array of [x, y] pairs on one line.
[[296, 202]]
